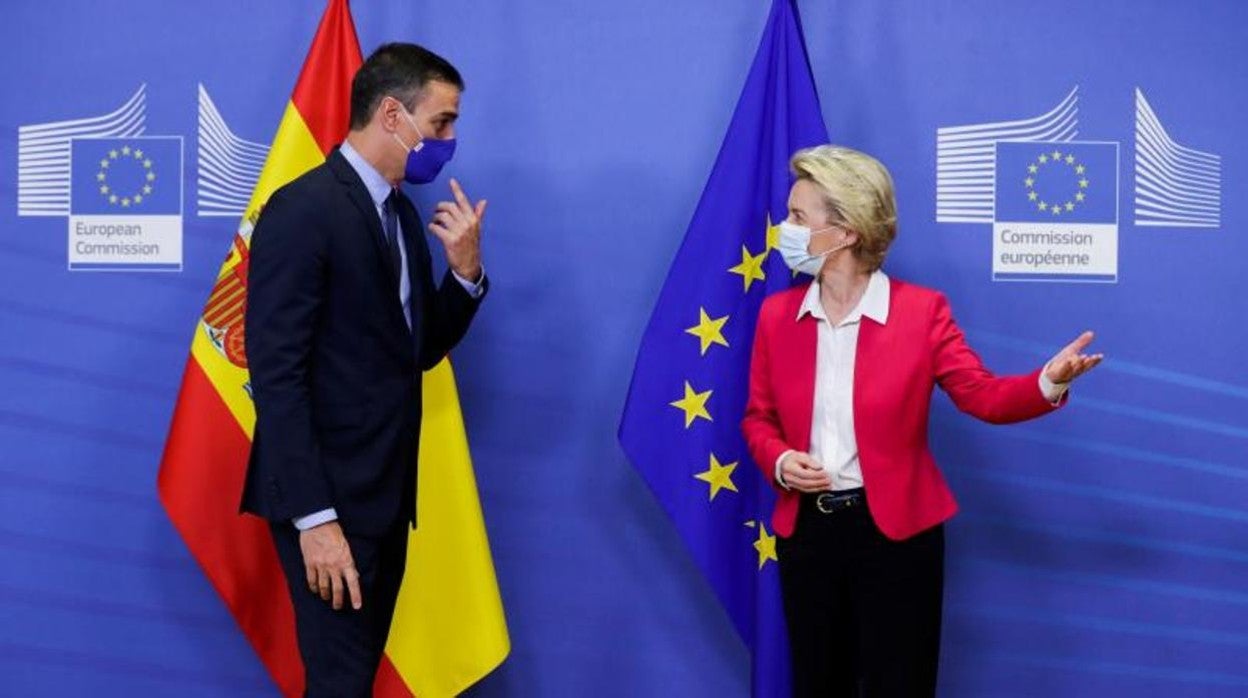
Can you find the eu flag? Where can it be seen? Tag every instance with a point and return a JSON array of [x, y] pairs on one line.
[[681, 423], [134, 176], [1056, 182]]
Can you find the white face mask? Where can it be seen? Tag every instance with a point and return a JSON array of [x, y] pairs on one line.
[[794, 246]]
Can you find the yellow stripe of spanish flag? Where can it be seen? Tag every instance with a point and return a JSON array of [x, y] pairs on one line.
[[449, 629]]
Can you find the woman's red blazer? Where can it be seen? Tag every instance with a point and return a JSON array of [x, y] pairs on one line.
[[896, 366]]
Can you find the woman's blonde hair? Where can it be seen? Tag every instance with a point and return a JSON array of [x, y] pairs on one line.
[[858, 192]]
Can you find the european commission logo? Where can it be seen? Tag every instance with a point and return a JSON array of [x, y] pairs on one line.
[[122, 191], [1052, 200], [1055, 211], [125, 204]]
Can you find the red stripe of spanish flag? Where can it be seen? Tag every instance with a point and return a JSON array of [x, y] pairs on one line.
[[449, 628]]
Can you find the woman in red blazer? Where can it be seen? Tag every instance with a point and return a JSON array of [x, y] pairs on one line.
[[840, 386]]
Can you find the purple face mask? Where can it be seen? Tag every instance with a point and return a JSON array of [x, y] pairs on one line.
[[426, 158]]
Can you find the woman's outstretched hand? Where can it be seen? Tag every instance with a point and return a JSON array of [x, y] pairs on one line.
[[1071, 362]]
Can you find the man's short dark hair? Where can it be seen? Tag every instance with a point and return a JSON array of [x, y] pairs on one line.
[[397, 70]]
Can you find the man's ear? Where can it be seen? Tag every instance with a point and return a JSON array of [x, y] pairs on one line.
[[388, 113]]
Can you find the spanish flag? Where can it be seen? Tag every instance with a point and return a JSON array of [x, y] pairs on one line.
[[449, 629]]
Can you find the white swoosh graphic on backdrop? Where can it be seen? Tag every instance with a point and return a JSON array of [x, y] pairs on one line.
[[43, 153], [1175, 187], [966, 158], [228, 165]]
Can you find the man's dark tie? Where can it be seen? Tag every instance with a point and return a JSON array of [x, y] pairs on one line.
[[390, 222]]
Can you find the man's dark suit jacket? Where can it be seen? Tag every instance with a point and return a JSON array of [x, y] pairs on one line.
[[335, 371]]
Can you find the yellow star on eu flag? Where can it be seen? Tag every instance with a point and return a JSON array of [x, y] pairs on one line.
[[709, 330], [751, 267], [693, 404], [765, 545], [773, 234], [718, 476]]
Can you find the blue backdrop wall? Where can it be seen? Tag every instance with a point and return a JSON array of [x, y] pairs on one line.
[[1100, 552]]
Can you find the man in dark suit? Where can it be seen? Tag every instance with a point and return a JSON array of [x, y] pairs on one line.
[[342, 317]]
